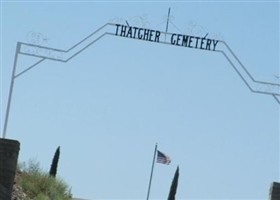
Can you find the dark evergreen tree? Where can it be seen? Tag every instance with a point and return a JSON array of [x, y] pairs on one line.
[[54, 165], [173, 188]]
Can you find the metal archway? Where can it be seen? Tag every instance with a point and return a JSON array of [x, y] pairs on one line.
[[111, 29]]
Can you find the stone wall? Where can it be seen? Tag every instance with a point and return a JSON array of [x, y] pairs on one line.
[[275, 191], [9, 150]]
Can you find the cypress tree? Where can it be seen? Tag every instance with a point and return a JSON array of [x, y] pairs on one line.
[[54, 165], [173, 188]]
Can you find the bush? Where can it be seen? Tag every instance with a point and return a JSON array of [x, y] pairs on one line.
[[39, 185]]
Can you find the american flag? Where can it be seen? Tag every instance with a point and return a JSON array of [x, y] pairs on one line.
[[163, 158]]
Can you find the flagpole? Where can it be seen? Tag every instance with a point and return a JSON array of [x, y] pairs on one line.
[[152, 171]]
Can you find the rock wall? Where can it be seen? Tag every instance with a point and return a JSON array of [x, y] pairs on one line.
[[9, 150], [275, 191]]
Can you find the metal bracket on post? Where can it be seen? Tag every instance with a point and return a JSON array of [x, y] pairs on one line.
[[47, 53]]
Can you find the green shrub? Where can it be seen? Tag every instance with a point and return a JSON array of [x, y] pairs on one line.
[[39, 185]]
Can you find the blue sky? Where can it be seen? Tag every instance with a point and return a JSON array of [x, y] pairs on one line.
[[109, 105]]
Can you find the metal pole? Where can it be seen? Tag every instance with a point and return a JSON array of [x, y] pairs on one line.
[[152, 171], [167, 20], [11, 91], [167, 23]]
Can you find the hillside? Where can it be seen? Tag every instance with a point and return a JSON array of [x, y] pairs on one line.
[[32, 183]]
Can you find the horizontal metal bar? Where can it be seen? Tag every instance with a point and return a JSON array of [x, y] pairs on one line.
[[38, 56], [42, 47]]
